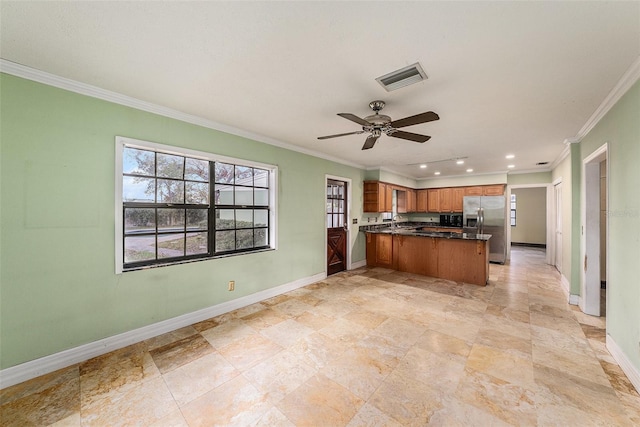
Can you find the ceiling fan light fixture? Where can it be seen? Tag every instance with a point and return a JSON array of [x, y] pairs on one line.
[[403, 77]]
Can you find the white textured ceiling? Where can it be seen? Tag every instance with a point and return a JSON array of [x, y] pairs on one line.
[[505, 77]]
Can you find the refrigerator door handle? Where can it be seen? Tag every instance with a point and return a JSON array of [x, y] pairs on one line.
[[481, 221]]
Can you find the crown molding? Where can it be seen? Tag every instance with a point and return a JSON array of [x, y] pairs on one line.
[[628, 79], [563, 155], [525, 171], [19, 70]]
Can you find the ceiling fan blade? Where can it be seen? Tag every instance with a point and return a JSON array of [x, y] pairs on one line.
[[370, 142], [429, 116], [355, 118], [341, 134], [416, 137]]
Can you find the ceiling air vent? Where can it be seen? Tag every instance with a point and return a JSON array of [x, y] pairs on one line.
[[402, 77], [542, 163]]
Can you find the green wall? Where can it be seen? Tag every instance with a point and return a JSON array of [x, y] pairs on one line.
[[529, 178], [563, 172], [621, 129], [57, 282]]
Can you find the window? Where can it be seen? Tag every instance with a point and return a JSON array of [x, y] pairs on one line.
[[180, 205], [513, 210]]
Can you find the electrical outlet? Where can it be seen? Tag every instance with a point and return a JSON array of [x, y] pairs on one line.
[[232, 285]]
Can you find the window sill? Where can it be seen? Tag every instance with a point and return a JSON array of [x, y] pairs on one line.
[[189, 261]]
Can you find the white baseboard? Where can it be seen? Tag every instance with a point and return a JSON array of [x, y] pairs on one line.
[[44, 365], [625, 364], [566, 288], [358, 264]]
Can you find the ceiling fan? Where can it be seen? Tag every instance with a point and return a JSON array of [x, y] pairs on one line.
[[377, 124]]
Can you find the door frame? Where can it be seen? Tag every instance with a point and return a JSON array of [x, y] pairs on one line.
[[589, 300], [327, 177], [548, 220], [557, 209]]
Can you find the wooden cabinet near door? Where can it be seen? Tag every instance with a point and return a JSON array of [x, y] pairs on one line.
[[384, 250], [377, 197]]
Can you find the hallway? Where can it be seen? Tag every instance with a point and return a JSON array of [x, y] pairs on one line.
[[365, 347]]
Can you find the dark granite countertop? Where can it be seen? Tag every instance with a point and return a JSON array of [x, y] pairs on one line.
[[413, 231]]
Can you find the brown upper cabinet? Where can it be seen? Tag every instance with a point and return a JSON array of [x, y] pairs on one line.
[[422, 203], [445, 199], [378, 197], [493, 190], [457, 199], [401, 201], [473, 191], [433, 200], [411, 201]]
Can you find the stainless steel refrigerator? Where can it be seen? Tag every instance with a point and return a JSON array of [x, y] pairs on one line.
[[488, 215]]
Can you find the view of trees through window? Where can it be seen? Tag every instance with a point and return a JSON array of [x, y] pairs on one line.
[[167, 210]]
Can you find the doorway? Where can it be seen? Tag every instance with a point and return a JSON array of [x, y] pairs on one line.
[[557, 191], [595, 230], [337, 225]]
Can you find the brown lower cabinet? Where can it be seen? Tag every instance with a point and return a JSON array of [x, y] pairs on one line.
[[460, 260]]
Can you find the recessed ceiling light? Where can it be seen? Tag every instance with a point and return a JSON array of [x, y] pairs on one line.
[[509, 156], [423, 166], [511, 166], [469, 170], [460, 162], [436, 173]]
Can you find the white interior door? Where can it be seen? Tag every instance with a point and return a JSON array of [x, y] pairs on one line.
[[590, 283], [558, 226]]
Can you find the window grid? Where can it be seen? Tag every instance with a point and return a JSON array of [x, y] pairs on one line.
[[513, 210], [241, 222], [171, 208]]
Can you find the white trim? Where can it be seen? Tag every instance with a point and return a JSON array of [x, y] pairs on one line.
[[324, 191], [44, 365], [574, 299], [590, 236], [121, 142], [563, 155], [526, 171], [549, 241], [358, 264], [624, 84], [625, 364], [29, 73]]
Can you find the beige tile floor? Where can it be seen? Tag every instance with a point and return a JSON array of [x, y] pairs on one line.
[[371, 347]]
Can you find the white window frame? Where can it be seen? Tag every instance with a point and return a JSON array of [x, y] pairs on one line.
[[122, 142]]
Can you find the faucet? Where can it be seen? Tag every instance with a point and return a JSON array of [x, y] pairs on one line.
[[394, 221]]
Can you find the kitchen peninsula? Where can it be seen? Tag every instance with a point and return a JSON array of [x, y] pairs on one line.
[[460, 257]]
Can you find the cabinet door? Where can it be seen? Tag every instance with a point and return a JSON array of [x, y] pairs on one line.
[[371, 249], [401, 201], [382, 190], [457, 199], [411, 201], [434, 200], [473, 191], [388, 199], [384, 250], [422, 204], [493, 190], [445, 199], [370, 197]]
